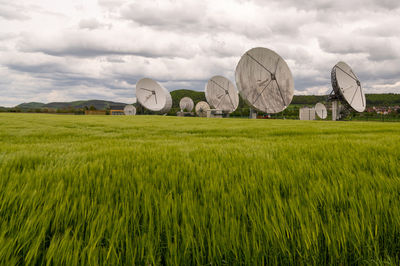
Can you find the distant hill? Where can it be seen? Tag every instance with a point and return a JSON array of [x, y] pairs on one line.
[[177, 95], [308, 99], [198, 96], [98, 104], [31, 105], [387, 99]]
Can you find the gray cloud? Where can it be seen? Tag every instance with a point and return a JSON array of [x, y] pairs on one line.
[[178, 14], [69, 50], [191, 17], [377, 49], [90, 24], [4, 36], [103, 43], [12, 11], [339, 5]]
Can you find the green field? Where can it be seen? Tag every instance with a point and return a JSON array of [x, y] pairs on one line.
[[153, 190]]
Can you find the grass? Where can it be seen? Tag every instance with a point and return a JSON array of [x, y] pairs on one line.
[[152, 190]]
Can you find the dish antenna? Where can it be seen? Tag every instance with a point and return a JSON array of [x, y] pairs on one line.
[[130, 110], [221, 94], [152, 96], [346, 90], [187, 104], [264, 80], [202, 109], [321, 111]]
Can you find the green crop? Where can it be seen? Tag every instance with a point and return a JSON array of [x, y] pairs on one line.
[[153, 190]]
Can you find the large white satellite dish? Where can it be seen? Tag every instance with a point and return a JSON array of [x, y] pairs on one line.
[[130, 110], [187, 104], [152, 96], [347, 87], [264, 80], [221, 94], [202, 108], [321, 111]]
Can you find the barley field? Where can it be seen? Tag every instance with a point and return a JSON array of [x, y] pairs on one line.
[[154, 190]]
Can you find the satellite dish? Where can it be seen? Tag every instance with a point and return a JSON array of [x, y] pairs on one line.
[[130, 110], [347, 87], [186, 104], [152, 96], [321, 111], [202, 108], [221, 94], [264, 80]]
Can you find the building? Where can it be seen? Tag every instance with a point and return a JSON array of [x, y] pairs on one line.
[[307, 113], [117, 110], [95, 112]]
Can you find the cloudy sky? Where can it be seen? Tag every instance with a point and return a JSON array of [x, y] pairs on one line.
[[98, 49]]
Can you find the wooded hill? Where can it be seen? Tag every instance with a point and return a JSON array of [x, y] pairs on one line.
[[97, 104], [389, 99]]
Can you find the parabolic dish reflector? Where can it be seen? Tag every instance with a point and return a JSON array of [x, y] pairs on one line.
[[202, 108], [321, 111], [130, 110], [152, 96], [347, 86], [187, 104], [264, 80], [221, 94]]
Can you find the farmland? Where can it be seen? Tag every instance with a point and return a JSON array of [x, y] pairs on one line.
[[153, 190]]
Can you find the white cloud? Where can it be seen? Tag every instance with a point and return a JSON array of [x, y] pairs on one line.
[[319, 90], [92, 24], [72, 50], [12, 11]]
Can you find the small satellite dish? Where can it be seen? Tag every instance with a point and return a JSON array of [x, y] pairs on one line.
[[186, 104], [264, 80], [202, 108], [130, 110], [221, 94], [347, 87], [321, 111], [152, 96]]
